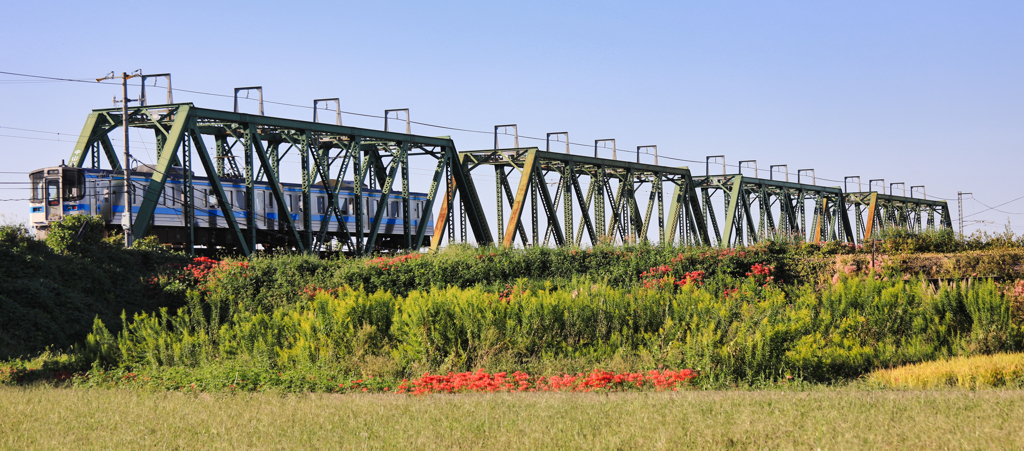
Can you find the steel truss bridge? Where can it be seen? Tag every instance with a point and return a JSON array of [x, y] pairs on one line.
[[542, 197]]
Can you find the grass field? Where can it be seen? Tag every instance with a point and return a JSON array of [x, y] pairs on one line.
[[825, 418]]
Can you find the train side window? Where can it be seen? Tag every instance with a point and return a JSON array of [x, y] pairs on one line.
[[394, 209], [270, 200], [344, 206], [241, 200], [320, 205]]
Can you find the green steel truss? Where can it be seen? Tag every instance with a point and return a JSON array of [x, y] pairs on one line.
[[756, 209], [875, 213], [570, 197], [329, 155], [600, 193]]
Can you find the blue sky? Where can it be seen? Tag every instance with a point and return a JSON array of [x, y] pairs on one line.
[[927, 93]]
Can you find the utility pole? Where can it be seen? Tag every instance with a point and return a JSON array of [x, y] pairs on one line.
[[126, 221], [960, 209]]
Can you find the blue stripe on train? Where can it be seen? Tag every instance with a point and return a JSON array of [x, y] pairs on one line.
[[242, 214]]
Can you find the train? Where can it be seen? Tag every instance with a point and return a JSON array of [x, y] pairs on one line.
[[63, 190]]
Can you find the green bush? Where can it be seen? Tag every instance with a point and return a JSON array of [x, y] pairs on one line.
[[733, 330], [75, 234]]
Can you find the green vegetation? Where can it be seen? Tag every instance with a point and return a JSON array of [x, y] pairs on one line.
[[733, 331], [768, 419], [51, 291], [757, 316]]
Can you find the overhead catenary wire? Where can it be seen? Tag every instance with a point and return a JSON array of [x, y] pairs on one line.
[[994, 208], [626, 149]]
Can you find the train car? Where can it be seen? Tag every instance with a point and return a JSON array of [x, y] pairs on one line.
[[61, 191]]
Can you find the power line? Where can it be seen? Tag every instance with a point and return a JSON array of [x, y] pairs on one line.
[[627, 150], [36, 139], [994, 208], [35, 131]]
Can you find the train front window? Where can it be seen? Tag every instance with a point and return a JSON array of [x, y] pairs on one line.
[[38, 186]]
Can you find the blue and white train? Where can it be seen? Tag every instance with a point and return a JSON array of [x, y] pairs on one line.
[[61, 191]]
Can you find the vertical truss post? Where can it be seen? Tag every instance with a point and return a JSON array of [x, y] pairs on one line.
[[406, 217], [250, 189], [662, 238], [597, 182], [449, 219], [567, 178], [359, 169], [220, 144], [188, 195], [499, 182], [309, 145], [534, 188]]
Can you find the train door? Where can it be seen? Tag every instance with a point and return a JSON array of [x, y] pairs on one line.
[[371, 210], [261, 210], [54, 207], [345, 202], [270, 211]]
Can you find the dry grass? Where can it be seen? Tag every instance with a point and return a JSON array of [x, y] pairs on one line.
[[41, 418], [962, 372]]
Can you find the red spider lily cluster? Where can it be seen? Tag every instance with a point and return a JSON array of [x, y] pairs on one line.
[[761, 271], [509, 293], [660, 277], [656, 271], [387, 263], [204, 270], [202, 267], [483, 382], [311, 291], [483, 256]]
